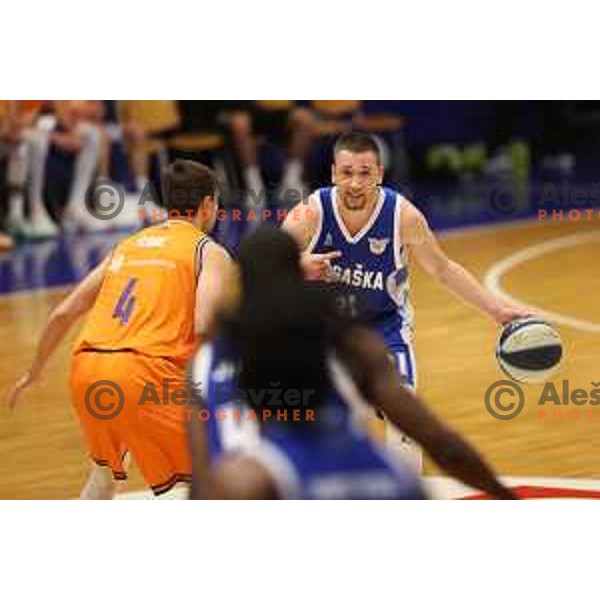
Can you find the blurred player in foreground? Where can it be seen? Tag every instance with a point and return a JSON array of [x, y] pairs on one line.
[[327, 367], [149, 303], [373, 227]]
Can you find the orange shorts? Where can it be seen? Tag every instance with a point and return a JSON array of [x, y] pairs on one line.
[[127, 402]]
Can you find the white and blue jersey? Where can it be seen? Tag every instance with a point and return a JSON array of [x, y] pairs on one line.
[[372, 270], [330, 458]]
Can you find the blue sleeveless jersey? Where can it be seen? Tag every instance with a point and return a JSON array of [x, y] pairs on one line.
[[328, 459], [372, 270]]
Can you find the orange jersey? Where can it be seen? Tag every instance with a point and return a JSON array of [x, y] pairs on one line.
[[147, 299]]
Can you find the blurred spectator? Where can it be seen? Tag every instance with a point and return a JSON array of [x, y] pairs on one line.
[[94, 112], [18, 120], [8, 140], [63, 153], [112, 161], [556, 147], [280, 121], [201, 116], [331, 118], [334, 117], [145, 125], [202, 136], [510, 151], [6, 241]]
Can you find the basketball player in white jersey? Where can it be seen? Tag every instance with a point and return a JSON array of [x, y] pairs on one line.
[[372, 228]]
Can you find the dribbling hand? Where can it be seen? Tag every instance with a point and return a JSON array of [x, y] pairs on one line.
[[508, 312]]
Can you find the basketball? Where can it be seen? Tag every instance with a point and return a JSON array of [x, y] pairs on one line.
[[529, 350]]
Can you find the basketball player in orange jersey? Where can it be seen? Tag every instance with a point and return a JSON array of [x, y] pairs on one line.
[[149, 304], [374, 228]]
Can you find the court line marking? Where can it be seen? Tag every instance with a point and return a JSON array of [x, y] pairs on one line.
[[438, 487], [443, 488], [494, 274]]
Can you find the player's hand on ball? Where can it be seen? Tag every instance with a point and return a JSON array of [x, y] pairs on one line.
[[509, 312], [28, 378], [317, 267]]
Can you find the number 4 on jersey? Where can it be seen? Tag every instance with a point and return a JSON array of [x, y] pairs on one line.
[[125, 303]]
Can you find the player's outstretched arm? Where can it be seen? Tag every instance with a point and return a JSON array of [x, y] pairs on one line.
[[380, 383], [61, 319], [428, 253]]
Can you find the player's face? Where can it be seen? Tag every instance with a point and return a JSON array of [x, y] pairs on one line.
[[356, 177]]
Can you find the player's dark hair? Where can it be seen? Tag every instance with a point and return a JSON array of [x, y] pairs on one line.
[[357, 143], [284, 329], [185, 184]]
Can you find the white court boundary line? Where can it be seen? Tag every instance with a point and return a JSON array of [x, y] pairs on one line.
[[498, 269]]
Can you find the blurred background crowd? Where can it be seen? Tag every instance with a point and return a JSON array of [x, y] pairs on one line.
[[53, 153]]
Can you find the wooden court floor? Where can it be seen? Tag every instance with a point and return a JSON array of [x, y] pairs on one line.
[[42, 450]]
